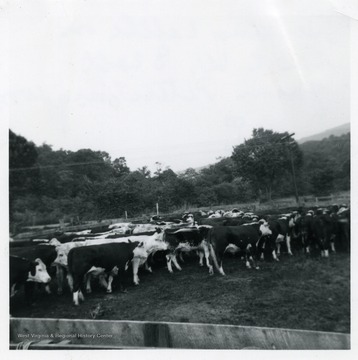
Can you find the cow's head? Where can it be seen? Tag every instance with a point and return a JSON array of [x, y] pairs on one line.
[[61, 258], [54, 242], [41, 275], [264, 228]]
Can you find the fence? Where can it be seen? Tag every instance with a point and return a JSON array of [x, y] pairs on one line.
[[141, 334], [306, 201]]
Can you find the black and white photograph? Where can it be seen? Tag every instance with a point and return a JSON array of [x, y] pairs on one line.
[[178, 174]]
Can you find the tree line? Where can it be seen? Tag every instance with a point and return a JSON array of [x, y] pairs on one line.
[[47, 185]]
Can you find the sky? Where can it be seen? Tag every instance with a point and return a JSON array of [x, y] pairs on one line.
[[175, 82]]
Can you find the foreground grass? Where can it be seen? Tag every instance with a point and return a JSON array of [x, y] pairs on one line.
[[299, 292]]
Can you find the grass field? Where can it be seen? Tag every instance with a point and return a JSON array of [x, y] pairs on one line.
[[299, 292]]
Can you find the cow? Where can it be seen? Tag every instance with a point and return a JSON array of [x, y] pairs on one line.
[[245, 237], [121, 228], [234, 213], [107, 256], [140, 228], [216, 215], [343, 233], [151, 244], [24, 243], [61, 263], [185, 240], [239, 220], [47, 253], [319, 229], [23, 270], [323, 230], [304, 230], [281, 228], [212, 221], [27, 273]]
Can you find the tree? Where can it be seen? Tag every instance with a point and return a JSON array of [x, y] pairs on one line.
[[322, 182], [264, 158], [120, 166], [23, 169]]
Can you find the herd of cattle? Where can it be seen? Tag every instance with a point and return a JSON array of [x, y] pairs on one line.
[[109, 251]]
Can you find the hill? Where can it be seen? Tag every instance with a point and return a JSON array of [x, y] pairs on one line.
[[336, 131]]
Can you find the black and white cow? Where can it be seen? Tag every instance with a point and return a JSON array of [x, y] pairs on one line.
[[282, 228], [108, 256], [23, 270], [244, 237], [47, 253], [186, 240]]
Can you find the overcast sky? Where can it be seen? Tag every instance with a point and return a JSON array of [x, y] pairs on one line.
[[178, 82]]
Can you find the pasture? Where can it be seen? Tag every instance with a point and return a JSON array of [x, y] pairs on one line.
[[300, 292]]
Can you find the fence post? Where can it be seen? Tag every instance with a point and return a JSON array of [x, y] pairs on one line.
[[126, 215], [157, 206]]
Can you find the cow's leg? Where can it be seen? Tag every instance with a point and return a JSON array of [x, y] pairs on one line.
[[102, 281], [207, 258], [109, 285], [217, 257], [175, 262], [147, 267], [278, 249], [181, 257], [201, 257], [88, 278], [250, 258], [169, 263], [253, 262], [274, 255], [60, 279], [47, 289], [288, 243], [13, 291], [248, 265], [333, 248], [77, 293], [135, 266], [77, 297], [70, 281]]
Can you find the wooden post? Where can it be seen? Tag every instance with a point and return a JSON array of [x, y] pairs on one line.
[[157, 205], [126, 214]]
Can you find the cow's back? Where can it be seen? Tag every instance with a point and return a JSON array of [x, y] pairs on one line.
[[47, 253], [105, 255]]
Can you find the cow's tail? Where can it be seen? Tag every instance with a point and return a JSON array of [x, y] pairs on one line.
[[212, 251]]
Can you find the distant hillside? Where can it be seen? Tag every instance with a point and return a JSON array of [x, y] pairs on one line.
[[336, 131]]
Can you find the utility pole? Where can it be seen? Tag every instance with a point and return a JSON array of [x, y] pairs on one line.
[[292, 164]]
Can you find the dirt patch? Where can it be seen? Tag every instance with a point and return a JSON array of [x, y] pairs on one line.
[[299, 292]]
